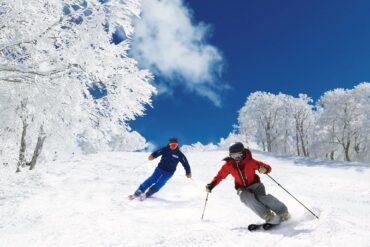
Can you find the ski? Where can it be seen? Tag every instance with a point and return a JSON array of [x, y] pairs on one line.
[[264, 226], [253, 227], [268, 226]]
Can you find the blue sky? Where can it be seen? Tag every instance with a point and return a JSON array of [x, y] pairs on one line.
[[276, 46]]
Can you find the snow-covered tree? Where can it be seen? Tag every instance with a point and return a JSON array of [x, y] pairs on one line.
[[263, 119], [66, 80], [199, 147], [301, 112], [361, 145], [232, 138], [343, 120], [223, 144]]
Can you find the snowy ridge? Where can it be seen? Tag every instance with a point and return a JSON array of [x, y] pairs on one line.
[[83, 202]]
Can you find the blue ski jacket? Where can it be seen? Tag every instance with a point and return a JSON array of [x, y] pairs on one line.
[[170, 158]]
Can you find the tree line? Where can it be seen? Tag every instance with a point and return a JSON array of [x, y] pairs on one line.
[[336, 127]]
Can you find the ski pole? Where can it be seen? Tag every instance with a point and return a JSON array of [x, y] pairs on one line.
[[293, 196], [205, 204]]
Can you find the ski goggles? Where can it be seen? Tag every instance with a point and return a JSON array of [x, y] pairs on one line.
[[236, 156], [173, 145]]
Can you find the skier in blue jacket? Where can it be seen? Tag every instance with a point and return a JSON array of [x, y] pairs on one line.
[[171, 156]]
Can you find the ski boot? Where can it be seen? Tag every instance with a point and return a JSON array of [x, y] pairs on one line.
[[137, 194]]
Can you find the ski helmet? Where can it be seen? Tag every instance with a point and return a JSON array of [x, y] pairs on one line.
[[236, 148]]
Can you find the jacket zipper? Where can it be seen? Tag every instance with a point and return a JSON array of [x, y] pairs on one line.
[[240, 173]]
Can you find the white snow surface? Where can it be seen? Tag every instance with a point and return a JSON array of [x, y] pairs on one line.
[[83, 202]]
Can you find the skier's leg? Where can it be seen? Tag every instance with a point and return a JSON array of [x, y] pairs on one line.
[[274, 204], [159, 183], [250, 200], [269, 201], [149, 181]]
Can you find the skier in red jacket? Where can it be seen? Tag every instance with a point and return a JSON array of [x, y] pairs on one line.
[[251, 191]]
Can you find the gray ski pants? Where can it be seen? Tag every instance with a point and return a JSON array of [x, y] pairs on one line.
[[254, 197]]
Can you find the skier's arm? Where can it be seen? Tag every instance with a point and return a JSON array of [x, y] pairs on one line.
[[185, 164], [222, 174], [157, 153]]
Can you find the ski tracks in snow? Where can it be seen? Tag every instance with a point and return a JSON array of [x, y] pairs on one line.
[[83, 202]]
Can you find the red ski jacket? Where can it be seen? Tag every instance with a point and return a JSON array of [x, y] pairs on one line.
[[244, 171]]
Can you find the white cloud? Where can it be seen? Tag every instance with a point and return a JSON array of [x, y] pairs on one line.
[[169, 44]]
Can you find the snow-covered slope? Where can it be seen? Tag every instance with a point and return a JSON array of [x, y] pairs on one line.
[[83, 202]]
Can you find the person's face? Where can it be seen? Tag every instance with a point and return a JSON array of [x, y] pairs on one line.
[[236, 156], [173, 145]]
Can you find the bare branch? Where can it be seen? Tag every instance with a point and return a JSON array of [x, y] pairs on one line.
[[11, 80]]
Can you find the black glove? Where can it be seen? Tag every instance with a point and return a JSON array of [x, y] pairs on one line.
[[209, 187]]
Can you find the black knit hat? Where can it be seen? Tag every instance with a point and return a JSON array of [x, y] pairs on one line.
[[173, 140], [236, 147]]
